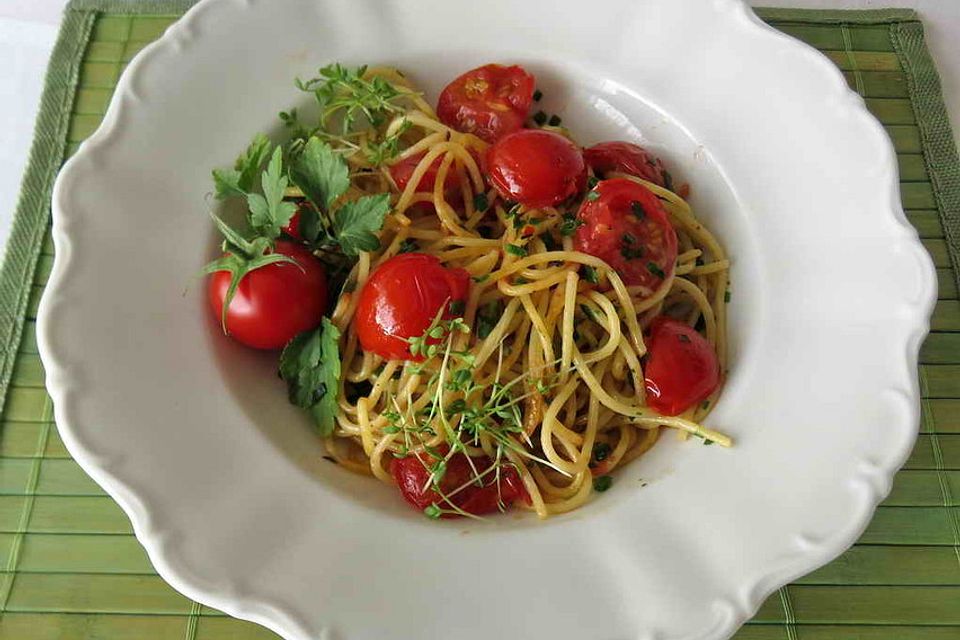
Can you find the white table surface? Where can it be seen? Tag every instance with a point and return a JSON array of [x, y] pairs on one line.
[[28, 29]]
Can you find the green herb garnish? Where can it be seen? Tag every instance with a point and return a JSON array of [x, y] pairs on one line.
[[540, 118], [602, 483], [516, 250]]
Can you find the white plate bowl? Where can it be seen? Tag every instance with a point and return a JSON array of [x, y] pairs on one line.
[[223, 480]]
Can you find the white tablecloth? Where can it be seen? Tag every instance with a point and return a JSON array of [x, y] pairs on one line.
[[28, 29]]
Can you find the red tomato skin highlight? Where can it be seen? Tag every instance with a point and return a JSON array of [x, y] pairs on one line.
[[402, 171], [681, 370], [274, 303], [536, 168], [612, 231], [412, 476], [489, 101], [625, 157], [400, 300]]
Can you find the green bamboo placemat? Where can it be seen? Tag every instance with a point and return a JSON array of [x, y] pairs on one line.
[[71, 568]]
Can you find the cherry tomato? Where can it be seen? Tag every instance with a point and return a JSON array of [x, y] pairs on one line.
[[625, 157], [626, 226], [681, 369], [536, 168], [402, 171], [412, 476], [400, 300], [489, 101], [274, 303], [292, 227]]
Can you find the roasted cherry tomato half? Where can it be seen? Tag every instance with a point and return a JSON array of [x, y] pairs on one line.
[[536, 168], [681, 369], [412, 475], [400, 300], [274, 303], [489, 101], [624, 224], [625, 157]]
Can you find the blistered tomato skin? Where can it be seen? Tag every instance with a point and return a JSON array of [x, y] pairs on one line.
[[625, 157], [681, 370], [274, 303], [489, 101], [536, 168], [624, 224], [400, 300]]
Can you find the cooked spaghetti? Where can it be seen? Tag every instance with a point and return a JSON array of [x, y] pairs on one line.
[[532, 388]]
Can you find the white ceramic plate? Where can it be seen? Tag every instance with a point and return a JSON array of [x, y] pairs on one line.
[[222, 478]]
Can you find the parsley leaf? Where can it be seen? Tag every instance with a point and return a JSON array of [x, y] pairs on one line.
[[321, 173], [268, 212], [310, 364], [356, 222], [239, 180]]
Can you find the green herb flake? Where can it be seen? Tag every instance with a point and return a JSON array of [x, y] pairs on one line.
[[409, 245], [601, 451], [516, 250], [726, 296], [590, 274], [480, 202], [655, 269], [537, 95], [637, 208], [592, 195], [457, 307], [570, 223], [479, 279], [602, 483], [592, 182]]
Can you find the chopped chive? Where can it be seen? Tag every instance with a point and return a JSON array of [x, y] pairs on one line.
[[726, 296], [589, 312], [550, 242], [480, 202], [602, 483], [600, 451], [554, 121], [629, 238], [655, 269], [518, 222], [590, 275], [408, 246], [537, 95], [516, 250], [540, 118], [638, 209]]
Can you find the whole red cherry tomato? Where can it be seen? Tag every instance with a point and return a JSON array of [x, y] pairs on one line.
[[626, 226], [681, 369], [489, 101], [536, 168], [412, 475], [274, 303], [400, 300], [625, 157]]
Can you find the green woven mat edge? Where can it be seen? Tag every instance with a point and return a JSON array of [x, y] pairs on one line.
[[33, 206], [836, 16], [936, 134], [139, 7]]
